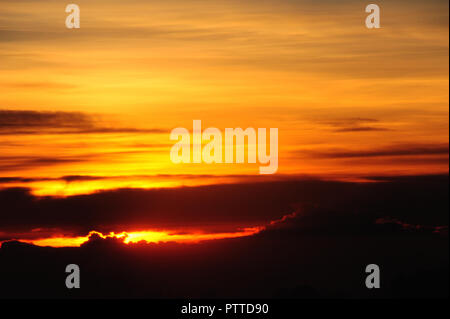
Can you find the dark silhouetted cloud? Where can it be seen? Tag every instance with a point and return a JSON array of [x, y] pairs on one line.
[[321, 206]]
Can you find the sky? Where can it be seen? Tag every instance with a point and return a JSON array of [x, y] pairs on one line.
[[363, 147], [100, 101]]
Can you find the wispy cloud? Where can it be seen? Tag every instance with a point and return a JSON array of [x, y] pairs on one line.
[[14, 122], [394, 150], [356, 124]]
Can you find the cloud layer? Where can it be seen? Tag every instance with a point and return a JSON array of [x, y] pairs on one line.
[[321, 207]]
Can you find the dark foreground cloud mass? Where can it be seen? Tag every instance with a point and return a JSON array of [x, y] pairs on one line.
[[399, 224], [333, 206]]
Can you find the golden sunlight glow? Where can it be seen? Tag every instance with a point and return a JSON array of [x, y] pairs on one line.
[[143, 236], [156, 236]]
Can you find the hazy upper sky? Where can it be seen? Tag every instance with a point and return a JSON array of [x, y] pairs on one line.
[[349, 102]]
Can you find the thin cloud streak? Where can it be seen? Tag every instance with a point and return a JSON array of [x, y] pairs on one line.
[[395, 150], [14, 122]]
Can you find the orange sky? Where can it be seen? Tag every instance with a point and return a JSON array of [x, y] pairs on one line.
[[349, 102]]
